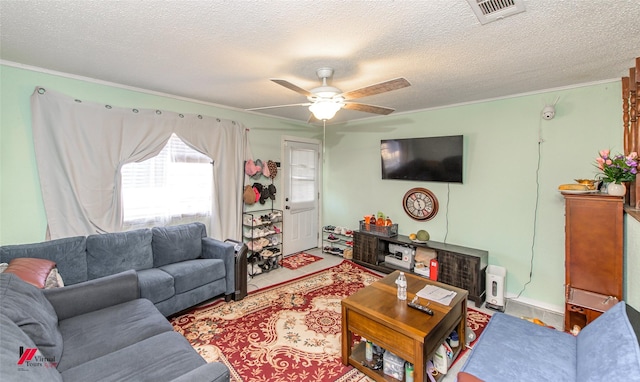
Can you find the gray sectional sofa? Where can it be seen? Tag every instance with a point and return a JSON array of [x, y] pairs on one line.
[[97, 330], [177, 267]]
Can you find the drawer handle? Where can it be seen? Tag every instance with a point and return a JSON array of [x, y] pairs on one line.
[[575, 308]]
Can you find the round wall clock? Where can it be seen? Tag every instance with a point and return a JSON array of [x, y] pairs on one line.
[[420, 204]]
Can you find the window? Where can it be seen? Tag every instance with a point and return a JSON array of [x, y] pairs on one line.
[[174, 187], [303, 178]]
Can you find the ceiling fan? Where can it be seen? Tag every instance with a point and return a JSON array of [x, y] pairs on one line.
[[325, 100]]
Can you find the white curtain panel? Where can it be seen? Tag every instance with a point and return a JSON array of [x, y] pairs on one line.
[[81, 146]]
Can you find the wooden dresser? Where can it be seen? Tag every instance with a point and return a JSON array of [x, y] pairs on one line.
[[593, 256]]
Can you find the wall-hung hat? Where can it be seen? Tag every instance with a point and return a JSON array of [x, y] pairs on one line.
[[248, 195], [258, 172], [266, 171], [250, 168], [273, 169], [272, 192]]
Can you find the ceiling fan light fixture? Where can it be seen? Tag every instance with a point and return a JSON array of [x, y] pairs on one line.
[[325, 109]]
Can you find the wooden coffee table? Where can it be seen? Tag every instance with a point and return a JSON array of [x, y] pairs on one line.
[[376, 314]]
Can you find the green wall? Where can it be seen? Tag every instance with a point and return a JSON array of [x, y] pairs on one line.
[[632, 261], [495, 209], [22, 216]]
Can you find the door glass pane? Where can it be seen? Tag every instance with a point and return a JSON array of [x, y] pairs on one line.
[[303, 178]]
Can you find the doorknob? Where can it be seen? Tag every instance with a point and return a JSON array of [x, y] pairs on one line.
[[287, 208]]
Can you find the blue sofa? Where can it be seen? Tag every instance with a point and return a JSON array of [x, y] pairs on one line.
[[177, 267], [97, 330], [511, 349]]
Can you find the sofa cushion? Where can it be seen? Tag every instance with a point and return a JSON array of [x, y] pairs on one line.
[[155, 285], [188, 275], [159, 358], [608, 348], [68, 253], [511, 349], [112, 253], [27, 306], [31, 270], [95, 334], [13, 341], [177, 243]]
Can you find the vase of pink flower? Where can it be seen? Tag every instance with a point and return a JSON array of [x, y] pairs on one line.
[[616, 170]]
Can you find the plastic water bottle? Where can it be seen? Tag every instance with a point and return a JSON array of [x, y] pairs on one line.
[[401, 281]]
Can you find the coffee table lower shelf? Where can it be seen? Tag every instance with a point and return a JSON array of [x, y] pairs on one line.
[[357, 358]]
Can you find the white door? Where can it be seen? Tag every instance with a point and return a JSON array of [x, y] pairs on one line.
[[301, 170]]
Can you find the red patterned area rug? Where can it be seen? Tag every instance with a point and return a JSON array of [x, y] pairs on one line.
[[287, 332], [299, 260], [477, 321]]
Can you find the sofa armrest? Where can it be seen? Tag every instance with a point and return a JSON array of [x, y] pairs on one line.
[[216, 249], [92, 295], [210, 372]]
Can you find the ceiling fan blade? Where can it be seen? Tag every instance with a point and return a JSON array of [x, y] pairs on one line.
[[277, 106], [293, 87], [386, 86], [368, 108]]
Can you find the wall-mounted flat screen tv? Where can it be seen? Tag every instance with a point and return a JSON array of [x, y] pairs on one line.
[[430, 159]]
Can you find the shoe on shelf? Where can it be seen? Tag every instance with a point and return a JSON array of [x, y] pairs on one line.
[[348, 233], [337, 230], [254, 269], [274, 240], [332, 238], [276, 216], [254, 246], [247, 220], [329, 228], [266, 253], [349, 243], [276, 229]]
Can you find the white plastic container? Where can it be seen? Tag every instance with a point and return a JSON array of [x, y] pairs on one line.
[[393, 365], [496, 276], [443, 358]]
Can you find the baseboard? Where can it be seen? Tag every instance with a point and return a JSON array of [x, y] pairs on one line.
[[559, 309]]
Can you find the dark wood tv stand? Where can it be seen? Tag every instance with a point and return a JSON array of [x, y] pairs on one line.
[[459, 266]]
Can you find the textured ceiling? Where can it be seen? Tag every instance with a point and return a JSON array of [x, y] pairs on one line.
[[225, 52]]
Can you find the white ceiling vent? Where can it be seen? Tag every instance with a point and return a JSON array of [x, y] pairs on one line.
[[492, 10]]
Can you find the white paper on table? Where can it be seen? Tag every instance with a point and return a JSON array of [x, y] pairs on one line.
[[437, 294]]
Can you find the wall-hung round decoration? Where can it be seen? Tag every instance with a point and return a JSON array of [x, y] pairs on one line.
[[420, 204]]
